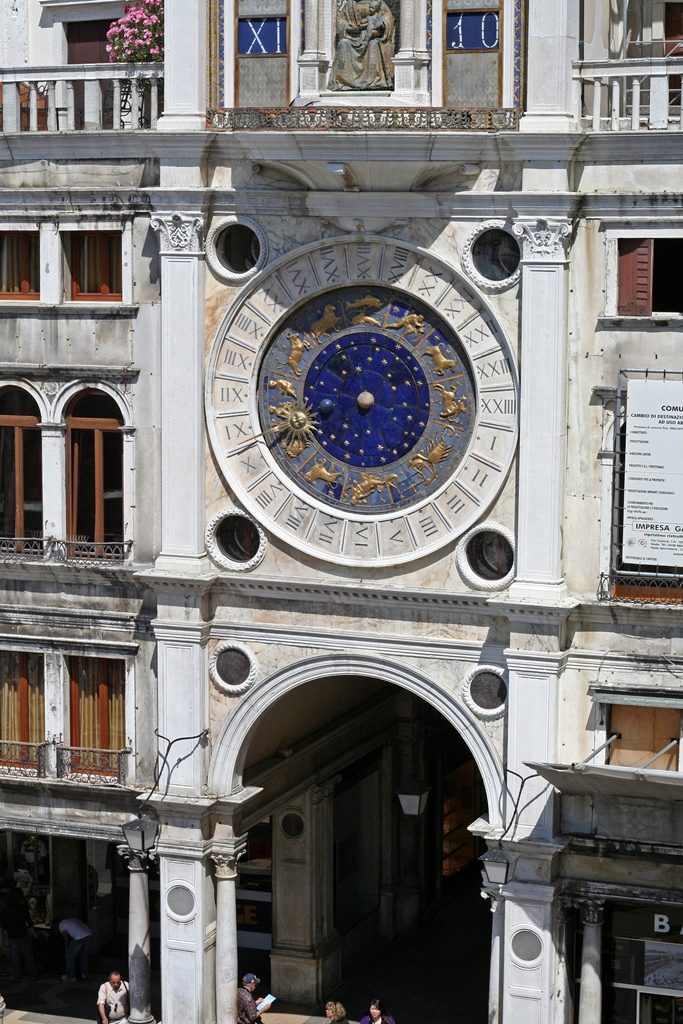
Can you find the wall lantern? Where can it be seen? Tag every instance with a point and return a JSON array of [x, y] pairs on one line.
[[141, 834], [413, 798], [497, 864]]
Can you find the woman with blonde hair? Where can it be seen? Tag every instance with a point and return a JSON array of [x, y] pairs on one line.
[[335, 1012]]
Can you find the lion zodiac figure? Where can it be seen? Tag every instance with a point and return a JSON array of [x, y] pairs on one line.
[[437, 452], [452, 406], [329, 321]]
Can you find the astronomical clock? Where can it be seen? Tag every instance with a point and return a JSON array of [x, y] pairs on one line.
[[362, 402]]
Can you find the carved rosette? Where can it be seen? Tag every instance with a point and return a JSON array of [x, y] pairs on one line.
[[543, 241], [179, 233]]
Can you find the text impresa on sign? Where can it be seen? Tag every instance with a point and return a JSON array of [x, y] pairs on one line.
[[653, 479]]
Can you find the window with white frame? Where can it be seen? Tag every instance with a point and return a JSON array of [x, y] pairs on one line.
[[21, 488], [95, 473]]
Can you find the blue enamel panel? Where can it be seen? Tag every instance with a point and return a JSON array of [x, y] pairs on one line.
[[259, 36], [467, 30]]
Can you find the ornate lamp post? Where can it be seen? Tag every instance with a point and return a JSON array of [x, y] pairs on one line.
[[140, 836]]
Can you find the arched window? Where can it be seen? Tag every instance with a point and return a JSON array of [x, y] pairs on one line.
[[95, 471], [21, 488]]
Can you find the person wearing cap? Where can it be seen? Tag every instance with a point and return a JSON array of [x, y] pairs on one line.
[[247, 1011]]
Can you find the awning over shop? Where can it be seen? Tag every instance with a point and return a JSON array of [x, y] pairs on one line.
[[612, 781]]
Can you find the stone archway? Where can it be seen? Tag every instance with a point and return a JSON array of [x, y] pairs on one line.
[[227, 762]]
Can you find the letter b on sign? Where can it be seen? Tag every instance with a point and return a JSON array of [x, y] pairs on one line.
[[661, 923]]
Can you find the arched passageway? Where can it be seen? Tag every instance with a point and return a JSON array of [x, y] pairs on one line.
[[335, 870]]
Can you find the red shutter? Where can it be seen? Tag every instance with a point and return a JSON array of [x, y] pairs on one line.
[[635, 276]]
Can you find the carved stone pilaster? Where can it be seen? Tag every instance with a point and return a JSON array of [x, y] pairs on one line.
[[543, 241], [179, 233]]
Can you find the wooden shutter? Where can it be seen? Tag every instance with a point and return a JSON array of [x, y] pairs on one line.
[[635, 276], [644, 731]]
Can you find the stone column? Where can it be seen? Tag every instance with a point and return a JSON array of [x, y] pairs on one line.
[[495, 967], [411, 62], [562, 983], [553, 43], [226, 936], [314, 61], [543, 417], [182, 393], [139, 952], [184, 67], [590, 999], [53, 451]]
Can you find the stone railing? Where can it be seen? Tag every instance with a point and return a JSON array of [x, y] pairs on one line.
[[629, 95], [92, 97], [362, 119]]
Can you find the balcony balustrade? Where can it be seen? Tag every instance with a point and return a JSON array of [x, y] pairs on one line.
[[23, 760], [637, 94], [72, 550], [94, 97], [84, 764]]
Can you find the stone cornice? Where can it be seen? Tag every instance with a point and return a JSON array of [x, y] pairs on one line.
[[447, 647]]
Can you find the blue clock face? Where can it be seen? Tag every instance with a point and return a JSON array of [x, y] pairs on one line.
[[366, 400]]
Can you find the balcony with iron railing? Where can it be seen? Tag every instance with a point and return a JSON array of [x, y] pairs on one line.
[[56, 760], [93, 97], [73, 550]]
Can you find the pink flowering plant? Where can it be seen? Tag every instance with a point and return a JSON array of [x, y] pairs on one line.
[[138, 37]]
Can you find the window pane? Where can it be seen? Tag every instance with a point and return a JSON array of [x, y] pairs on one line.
[[96, 263], [83, 484], [33, 484], [98, 712], [113, 486], [22, 698], [19, 263], [7, 482]]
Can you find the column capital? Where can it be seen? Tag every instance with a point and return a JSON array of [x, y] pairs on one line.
[[324, 790], [543, 241], [591, 911], [179, 233], [137, 859], [226, 863]]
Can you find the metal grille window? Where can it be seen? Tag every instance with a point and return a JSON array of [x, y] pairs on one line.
[[647, 507]]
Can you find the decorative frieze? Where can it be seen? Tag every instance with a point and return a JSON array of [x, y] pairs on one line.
[[361, 119]]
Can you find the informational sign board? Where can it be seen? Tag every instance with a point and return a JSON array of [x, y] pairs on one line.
[[653, 479]]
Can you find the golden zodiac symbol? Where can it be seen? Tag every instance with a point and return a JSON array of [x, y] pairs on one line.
[[437, 452], [413, 322], [367, 484], [298, 426], [361, 318], [367, 301], [285, 387], [451, 406], [440, 361], [297, 347], [329, 321], [319, 471]]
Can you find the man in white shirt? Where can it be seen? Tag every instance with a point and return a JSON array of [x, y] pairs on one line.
[[113, 999], [77, 938]]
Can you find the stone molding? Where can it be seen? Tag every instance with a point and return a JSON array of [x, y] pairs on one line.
[[213, 548], [179, 233], [218, 267], [545, 241], [468, 263], [485, 714], [466, 570], [232, 645]]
